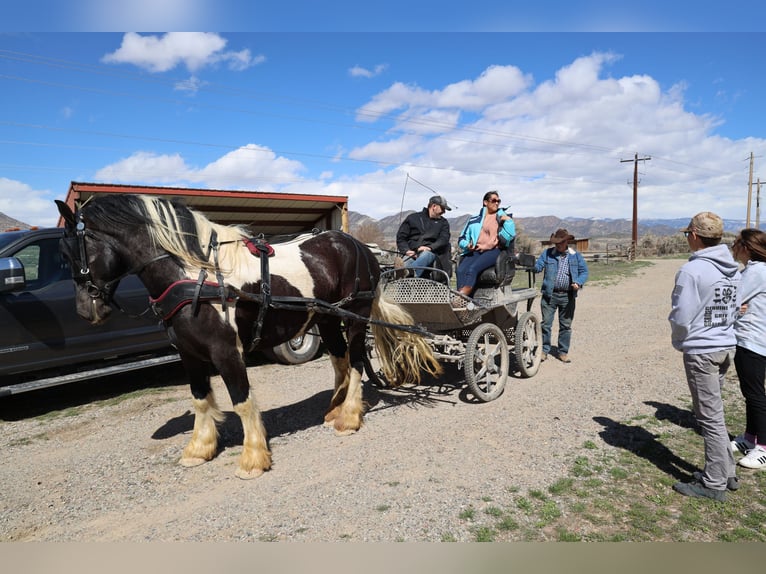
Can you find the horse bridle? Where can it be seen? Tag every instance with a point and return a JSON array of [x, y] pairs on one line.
[[83, 275]]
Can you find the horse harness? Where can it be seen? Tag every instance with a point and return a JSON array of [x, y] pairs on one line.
[[191, 292]]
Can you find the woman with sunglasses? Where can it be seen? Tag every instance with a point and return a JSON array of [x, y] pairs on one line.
[[749, 248], [480, 242]]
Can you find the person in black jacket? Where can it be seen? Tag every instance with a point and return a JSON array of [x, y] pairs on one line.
[[425, 236]]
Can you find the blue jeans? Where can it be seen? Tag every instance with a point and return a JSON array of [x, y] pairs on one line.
[[705, 377], [424, 259], [472, 264], [565, 305]]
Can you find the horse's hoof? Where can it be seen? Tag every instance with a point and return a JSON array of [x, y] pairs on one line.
[[329, 418], [191, 461], [248, 474]]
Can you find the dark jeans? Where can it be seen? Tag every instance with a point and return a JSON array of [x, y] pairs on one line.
[[564, 303], [751, 370], [472, 264]]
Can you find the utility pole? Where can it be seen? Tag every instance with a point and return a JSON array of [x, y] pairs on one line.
[[758, 205], [749, 190], [635, 160]]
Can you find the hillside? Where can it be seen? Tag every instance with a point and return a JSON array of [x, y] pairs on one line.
[[7, 223]]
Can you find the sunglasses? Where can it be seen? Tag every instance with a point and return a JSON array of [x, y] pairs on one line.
[[687, 233], [493, 201]]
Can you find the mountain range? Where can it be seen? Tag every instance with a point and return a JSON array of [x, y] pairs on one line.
[[541, 228]]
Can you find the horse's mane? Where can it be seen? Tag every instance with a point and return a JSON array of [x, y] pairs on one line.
[[172, 226]]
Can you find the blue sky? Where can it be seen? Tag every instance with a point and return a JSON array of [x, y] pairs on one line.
[[387, 118]]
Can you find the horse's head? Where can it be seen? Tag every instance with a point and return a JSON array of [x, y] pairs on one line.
[[96, 265]]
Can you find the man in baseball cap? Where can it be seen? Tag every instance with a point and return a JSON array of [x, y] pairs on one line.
[[440, 201], [703, 308], [424, 238], [705, 224]]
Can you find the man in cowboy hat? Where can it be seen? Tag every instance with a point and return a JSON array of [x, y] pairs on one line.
[[565, 274]]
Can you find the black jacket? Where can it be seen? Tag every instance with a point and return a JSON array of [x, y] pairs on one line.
[[418, 229]]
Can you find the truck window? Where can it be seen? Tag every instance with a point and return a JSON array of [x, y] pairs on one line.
[[43, 263]]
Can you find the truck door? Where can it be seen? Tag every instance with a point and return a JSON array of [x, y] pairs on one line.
[[40, 325]]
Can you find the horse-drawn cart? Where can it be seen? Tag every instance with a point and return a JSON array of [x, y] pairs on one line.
[[485, 334]]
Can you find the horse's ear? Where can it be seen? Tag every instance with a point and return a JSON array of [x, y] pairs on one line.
[[65, 212]]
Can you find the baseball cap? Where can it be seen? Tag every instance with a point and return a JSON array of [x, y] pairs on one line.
[[439, 200], [706, 224]]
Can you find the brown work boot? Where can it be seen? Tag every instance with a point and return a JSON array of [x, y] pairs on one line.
[[564, 358]]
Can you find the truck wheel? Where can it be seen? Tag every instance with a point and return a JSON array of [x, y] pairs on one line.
[[300, 349]]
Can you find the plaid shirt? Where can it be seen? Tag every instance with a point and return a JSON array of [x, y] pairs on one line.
[[562, 277]]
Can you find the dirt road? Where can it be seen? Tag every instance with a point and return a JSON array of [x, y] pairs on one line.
[[107, 470]]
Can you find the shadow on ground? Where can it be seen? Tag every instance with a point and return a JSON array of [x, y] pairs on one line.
[[641, 442]]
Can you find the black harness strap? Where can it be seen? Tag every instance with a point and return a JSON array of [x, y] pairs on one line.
[[186, 292], [265, 251]]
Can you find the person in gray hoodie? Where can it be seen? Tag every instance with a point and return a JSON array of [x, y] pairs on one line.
[[749, 248], [704, 307]]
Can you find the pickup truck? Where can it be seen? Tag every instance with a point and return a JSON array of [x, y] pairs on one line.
[[43, 342]]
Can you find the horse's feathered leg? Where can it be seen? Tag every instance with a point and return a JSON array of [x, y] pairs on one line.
[[341, 369], [345, 410], [403, 355], [204, 441], [256, 457], [332, 336]]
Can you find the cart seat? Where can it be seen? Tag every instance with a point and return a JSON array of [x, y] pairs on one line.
[[502, 273]]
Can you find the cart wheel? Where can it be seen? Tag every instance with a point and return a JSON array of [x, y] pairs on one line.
[[372, 365], [486, 361], [528, 349]]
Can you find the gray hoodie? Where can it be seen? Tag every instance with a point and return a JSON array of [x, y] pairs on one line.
[[705, 303]]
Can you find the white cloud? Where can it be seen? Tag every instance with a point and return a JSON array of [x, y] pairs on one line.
[[249, 167], [360, 72], [26, 204], [495, 84], [194, 50], [192, 85], [555, 147], [146, 167]]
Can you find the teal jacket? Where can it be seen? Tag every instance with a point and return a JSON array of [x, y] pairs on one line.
[[506, 231]]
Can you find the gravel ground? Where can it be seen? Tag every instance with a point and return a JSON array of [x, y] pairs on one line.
[[108, 471]]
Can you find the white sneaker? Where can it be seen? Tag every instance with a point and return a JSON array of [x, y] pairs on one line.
[[755, 458], [741, 445]]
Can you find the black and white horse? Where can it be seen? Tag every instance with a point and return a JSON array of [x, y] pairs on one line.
[[221, 295]]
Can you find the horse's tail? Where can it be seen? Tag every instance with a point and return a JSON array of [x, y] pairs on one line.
[[404, 356]]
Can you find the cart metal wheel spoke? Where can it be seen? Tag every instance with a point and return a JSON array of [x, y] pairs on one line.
[[528, 349], [486, 362], [372, 365]]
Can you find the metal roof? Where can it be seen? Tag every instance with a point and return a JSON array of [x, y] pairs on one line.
[[262, 212]]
